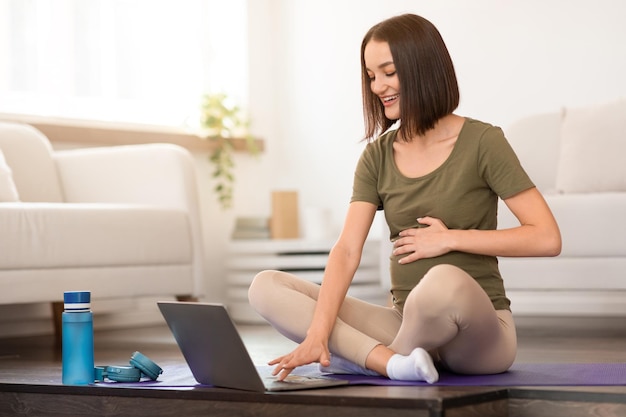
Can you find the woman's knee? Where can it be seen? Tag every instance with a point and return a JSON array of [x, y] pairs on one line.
[[271, 287], [261, 287], [443, 284], [448, 276]]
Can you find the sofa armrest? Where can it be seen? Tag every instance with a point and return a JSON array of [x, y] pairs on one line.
[[591, 224]]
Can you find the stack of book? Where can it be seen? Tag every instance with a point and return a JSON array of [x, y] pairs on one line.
[[252, 228]]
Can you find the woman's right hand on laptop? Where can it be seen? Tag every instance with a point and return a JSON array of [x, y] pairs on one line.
[[312, 349]]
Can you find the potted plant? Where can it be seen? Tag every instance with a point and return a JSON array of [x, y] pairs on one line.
[[221, 121]]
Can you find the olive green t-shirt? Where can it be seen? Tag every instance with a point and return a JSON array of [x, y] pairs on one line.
[[463, 193]]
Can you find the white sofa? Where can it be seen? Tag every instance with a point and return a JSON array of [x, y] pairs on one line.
[[119, 221], [576, 158]]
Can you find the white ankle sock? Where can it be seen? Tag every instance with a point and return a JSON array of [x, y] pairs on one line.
[[339, 365], [418, 366]]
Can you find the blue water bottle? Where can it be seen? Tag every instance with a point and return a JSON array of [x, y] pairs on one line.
[[78, 364]]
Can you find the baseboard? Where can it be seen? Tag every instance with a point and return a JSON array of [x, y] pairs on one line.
[[21, 320], [564, 325], [35, 319]]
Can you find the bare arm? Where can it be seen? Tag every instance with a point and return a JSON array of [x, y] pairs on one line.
[[343, 261], [537, 235]]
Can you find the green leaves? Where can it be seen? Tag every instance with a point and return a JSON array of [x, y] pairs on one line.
[[222, 117], [222, 120]]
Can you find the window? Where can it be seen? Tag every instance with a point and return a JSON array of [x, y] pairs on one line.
[[140, 61]]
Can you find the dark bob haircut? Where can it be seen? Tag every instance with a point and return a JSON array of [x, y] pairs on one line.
[[428, 84]]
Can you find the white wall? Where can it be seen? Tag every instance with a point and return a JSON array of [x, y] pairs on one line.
[[513, 59]]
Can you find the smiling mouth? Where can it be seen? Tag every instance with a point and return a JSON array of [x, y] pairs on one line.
[[389, 99]]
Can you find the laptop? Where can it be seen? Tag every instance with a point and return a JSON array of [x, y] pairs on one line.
[[216, 354]]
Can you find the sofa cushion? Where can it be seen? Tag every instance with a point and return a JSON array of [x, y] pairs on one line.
[[29, 154], [62, 235], [527, 136], [8, 192], [592, 146]]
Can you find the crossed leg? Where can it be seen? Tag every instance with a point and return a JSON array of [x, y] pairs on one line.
[[447, 314], [288, 302], [450, 315]]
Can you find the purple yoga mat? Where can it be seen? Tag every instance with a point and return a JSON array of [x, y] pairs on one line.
[[521, 374]]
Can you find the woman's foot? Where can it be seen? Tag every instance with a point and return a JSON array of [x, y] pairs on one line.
[[418, 366]]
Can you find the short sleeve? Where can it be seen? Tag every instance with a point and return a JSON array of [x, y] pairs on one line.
[[500, 167], [365, 184]]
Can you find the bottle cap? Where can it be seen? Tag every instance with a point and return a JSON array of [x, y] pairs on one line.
[[77, 300]]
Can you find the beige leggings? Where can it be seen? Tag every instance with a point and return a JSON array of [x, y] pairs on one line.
[[447, 313]]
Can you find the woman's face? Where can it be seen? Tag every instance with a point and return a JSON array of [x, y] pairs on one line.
[[383, 78]]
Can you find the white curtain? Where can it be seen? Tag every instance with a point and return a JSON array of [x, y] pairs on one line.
[[142, 61]]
